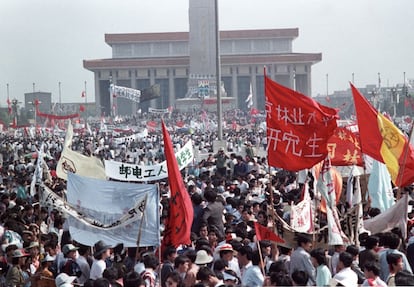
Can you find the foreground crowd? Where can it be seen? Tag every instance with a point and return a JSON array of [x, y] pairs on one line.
[[229, 192]]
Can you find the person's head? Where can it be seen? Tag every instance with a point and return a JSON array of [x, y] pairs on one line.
[[207, 276], [345, 260], [210, 195], [318, 257], [404, 278], [150, 261], [110, 273], [300, 278], [280, 279], [226, 252], [69, 251], [353, 250], [230, 278], [244, 255], [203, 230], [170, 253], [395, 262], [278, 267], [181, 264], [133, 279], [371, 270], [101, 282], [102, 251], [371, 242], [394, 241], [64, 280], [174, 280], [305, 242], [213, 236]]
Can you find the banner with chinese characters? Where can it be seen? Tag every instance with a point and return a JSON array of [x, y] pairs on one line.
[[127, 93], [142, 173], [298, 128]]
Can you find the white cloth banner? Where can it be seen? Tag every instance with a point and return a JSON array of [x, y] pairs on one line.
[[136, 136], [72, 161], [127, 93], [52, 200], [158, 111], [395, 216], [140, 173], [301, 214], [108, 202]]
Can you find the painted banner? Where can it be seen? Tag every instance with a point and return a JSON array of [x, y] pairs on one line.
[[133, 209], [52, 200], [301, 213], [141, 173], [73, 162]]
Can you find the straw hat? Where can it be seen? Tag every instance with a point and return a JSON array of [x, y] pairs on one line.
[[203, 257]]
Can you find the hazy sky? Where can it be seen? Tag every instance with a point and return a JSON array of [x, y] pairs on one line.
[[45, 41]]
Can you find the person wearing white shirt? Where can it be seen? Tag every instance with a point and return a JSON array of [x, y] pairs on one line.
[[102, 252], [345, 275], [251, 272]]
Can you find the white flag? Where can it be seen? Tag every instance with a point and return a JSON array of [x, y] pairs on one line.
[[74, 162]]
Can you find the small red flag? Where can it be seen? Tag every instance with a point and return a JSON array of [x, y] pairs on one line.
[[298, 128], [81, 108], [181, 213], [264, 233]]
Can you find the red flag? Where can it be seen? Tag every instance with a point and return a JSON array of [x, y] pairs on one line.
[[264, 233], [81, 108], [180, 219], [298, 128], [344, 148], [383, 141]]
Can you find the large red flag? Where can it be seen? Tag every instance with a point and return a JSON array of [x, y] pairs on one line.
[[180, 219], [344, 148], [298, 128], [383, 141], [264, 233]]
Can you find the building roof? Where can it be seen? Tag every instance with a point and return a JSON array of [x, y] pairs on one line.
[[128, 63], [111, 39]]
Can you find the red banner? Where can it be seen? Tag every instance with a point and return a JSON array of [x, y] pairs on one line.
[[298, 128], [344, 148]]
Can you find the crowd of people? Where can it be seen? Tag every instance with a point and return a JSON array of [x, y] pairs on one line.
[[231, 188]]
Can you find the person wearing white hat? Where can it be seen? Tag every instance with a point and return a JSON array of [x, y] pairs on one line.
[[64, 280]]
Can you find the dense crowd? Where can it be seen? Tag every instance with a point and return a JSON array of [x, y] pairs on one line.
[[230, 189]]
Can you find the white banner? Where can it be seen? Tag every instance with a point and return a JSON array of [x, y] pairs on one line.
[[109, 203], [52, 200], [72, 161], [158, 111], [127, 93], [301, 214], [136, 136], [141, 173]]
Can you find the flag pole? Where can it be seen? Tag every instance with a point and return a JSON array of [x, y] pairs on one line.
[[402, 166], [261, 257], [140, 227]]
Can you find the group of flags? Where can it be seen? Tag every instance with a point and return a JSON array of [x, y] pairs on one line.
[[301, 133]]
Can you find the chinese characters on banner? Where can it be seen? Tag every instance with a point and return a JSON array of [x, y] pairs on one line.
[[298, 128], [344, 148], [132, 172]]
